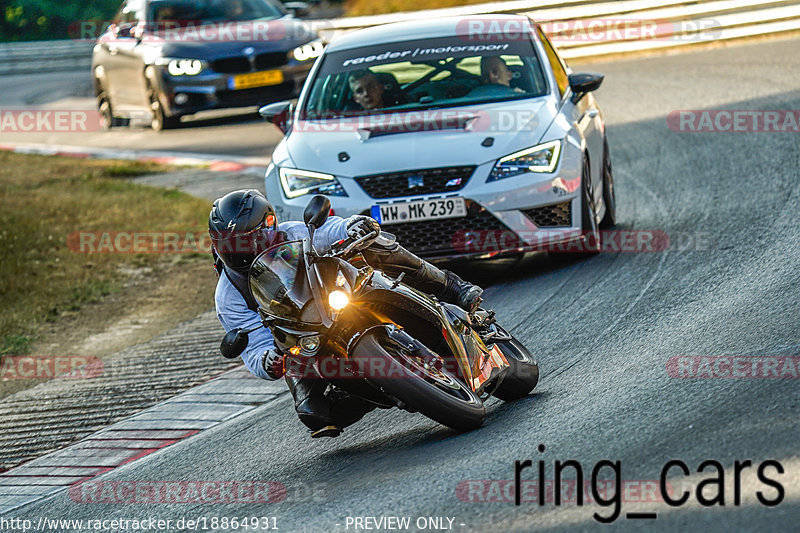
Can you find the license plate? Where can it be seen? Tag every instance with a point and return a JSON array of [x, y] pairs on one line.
[[256, 79], [420, 210]]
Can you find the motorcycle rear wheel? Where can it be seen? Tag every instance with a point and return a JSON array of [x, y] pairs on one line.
[[434, 392]]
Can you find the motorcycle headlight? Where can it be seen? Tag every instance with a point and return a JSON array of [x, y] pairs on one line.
[[540, 158], [184, 67], [338, 300], [308, 51], [299, 182]]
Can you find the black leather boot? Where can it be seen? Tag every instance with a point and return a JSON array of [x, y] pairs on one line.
[[312, 406], [462, 293], [326, 413], [447, 286]]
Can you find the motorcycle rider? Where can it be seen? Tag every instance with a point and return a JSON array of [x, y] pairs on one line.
[[242, 224]]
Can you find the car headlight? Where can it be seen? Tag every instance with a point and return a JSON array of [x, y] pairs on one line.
[[299, 182], [540, 158], [308, 51], [184, 67]]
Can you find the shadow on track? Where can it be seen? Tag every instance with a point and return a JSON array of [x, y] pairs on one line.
[[491, 272]]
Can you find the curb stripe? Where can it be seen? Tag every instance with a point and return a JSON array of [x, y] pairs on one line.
[[162, 425]]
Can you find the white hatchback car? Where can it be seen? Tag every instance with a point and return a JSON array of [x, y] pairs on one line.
[[465, 137]]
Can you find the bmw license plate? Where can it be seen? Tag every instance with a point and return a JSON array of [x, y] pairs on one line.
[[420, 210], [255, 79]]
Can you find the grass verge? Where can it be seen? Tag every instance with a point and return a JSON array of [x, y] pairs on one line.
[[43, 200]]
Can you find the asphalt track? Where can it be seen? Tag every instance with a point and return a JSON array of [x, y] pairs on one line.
[[604, 329], [239, 133]]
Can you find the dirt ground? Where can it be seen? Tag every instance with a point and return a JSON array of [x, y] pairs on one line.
[[153, 300]]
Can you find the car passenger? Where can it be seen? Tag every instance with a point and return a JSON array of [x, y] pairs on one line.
[[495, 79], [367, 90], [495, 71], [235, 10]]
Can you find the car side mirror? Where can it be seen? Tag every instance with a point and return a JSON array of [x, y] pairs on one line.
[[297, 9], [279, 114], [317, 211], [234, 343], [584, 83]]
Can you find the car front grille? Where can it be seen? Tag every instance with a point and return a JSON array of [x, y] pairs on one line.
[[551, 216], [232, 65], [242, 64], [270, 60], [438, 238], [416, 182]]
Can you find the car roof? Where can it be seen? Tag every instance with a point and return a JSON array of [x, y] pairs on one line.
[[424, 29]]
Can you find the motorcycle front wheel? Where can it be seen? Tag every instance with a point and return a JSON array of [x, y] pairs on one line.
[[407, 376], [523, 375]]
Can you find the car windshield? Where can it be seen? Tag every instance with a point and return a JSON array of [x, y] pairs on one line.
[[278, 281], [425, 74], [194, 11]]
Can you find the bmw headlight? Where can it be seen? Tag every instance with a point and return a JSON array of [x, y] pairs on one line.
[[184, 67], [299, 182], [540, 158], [308, 51]]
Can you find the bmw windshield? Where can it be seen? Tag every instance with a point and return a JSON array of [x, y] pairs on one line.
[[205, 11], [424, 74]]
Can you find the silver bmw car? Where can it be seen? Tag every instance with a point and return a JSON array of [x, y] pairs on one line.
[[466, 137]]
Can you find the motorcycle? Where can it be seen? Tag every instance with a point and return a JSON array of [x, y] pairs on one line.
[[387, 343]]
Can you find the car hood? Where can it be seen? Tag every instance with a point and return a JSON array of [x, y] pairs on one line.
[[282, 34], [436, 138]]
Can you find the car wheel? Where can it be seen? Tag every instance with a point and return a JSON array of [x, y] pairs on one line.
[[160, 120], [107, 119], [591, 236], [609, 197]]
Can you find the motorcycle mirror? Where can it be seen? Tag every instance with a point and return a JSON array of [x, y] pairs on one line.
[[317, 211], [233, 343]]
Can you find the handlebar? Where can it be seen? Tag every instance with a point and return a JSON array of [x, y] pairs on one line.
[[346, 246]]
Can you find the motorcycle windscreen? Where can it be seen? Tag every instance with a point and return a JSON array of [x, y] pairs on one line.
[[278, 281]]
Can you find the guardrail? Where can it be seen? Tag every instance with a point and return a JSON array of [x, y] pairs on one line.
[[44, 56], [572, 24]]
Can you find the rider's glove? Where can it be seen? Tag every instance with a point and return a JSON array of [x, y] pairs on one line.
[[273, 364], [359, 226]]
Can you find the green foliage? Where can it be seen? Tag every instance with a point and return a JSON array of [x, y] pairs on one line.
[[33, 20], [15, 344]]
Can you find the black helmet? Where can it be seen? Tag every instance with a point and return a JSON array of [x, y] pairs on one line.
[[242, 224]]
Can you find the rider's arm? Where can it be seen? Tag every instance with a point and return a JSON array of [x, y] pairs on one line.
[[233, 313], [334, 230]]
